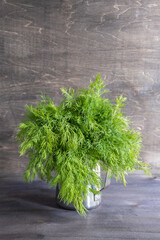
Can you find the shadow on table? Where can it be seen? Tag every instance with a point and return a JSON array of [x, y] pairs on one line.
[[31, 194], [34, 199]]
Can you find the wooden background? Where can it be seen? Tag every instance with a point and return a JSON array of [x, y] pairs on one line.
[[48, 44]]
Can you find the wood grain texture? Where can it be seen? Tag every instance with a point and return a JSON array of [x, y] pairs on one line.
[[46, 45], [29, 211]]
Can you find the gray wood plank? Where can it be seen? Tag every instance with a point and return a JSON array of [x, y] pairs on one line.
[[46, 45], [29, 211]]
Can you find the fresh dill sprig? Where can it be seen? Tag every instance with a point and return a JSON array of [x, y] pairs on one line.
[[69, 140]]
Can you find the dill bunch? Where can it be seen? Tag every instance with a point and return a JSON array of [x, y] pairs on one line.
[[65, 143]]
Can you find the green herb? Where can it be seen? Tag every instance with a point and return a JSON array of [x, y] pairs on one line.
[[71, 139]]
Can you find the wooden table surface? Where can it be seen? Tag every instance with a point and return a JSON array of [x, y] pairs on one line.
[[29, 211]]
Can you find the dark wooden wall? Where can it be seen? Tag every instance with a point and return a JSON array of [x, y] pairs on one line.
[[48, 44]]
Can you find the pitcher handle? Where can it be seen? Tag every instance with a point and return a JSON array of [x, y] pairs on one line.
[[106, 182]]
